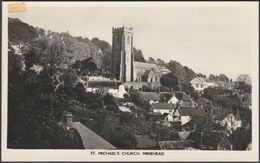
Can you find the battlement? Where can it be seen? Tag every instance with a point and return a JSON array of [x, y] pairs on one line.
[[122, 29]]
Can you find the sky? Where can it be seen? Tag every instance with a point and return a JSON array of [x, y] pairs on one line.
[[210, 38]]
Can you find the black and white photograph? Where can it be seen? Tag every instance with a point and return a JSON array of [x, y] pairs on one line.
[[147, 78]]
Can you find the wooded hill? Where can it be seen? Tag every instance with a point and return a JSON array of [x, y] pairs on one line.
[[79, 48]]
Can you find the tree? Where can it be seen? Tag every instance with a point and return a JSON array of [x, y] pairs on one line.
[[187, 88], [160, 62], [170, 80], [70, 77], [223, 77], [244, 83], [88, 65], [201, 75], [212, 77], [151, 60], [138, 55], [244, 78]]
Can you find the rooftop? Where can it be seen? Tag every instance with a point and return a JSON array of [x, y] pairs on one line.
[[190, 111], [179, 144], [149, 96], [166, 106], [90, 139], [200, 80], [144, 142], [146, 66]]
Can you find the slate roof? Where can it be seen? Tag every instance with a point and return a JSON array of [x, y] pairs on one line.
[[171, 145], [144, 142], [167, 106], [167, 95], [149, 96], [90, 139], [200, 80], [190, 111]]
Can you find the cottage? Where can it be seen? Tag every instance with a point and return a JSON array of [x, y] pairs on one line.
[[106, 86], [167, 97], [173, 100], [201, 83], [183, 114]]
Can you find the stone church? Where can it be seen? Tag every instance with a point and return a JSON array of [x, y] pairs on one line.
[[124, 68]]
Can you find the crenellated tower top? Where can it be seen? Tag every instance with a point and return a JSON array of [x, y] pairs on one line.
[[122, 29]]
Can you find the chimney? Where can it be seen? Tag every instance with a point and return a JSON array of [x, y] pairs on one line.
[[67, 119]]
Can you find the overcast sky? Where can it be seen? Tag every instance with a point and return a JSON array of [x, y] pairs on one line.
[[213, 38]]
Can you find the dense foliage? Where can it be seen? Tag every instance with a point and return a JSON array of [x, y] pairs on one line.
[[32, 113], [170, 80]]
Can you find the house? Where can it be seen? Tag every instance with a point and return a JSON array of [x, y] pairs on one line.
[[173, 100], [106, 86], [167, 97], [172, 118], [185, 100], [163, 108], [183, 114], [201, 83]]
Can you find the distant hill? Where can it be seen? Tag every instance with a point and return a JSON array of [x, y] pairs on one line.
[[78, 48]]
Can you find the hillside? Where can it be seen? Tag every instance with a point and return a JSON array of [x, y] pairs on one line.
[[77, 48], [183, 73], [20, 32]]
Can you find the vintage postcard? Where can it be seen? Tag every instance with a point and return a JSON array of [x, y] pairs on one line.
[[130, 81]]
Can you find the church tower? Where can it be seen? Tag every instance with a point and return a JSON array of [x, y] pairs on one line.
[[122, 54]]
